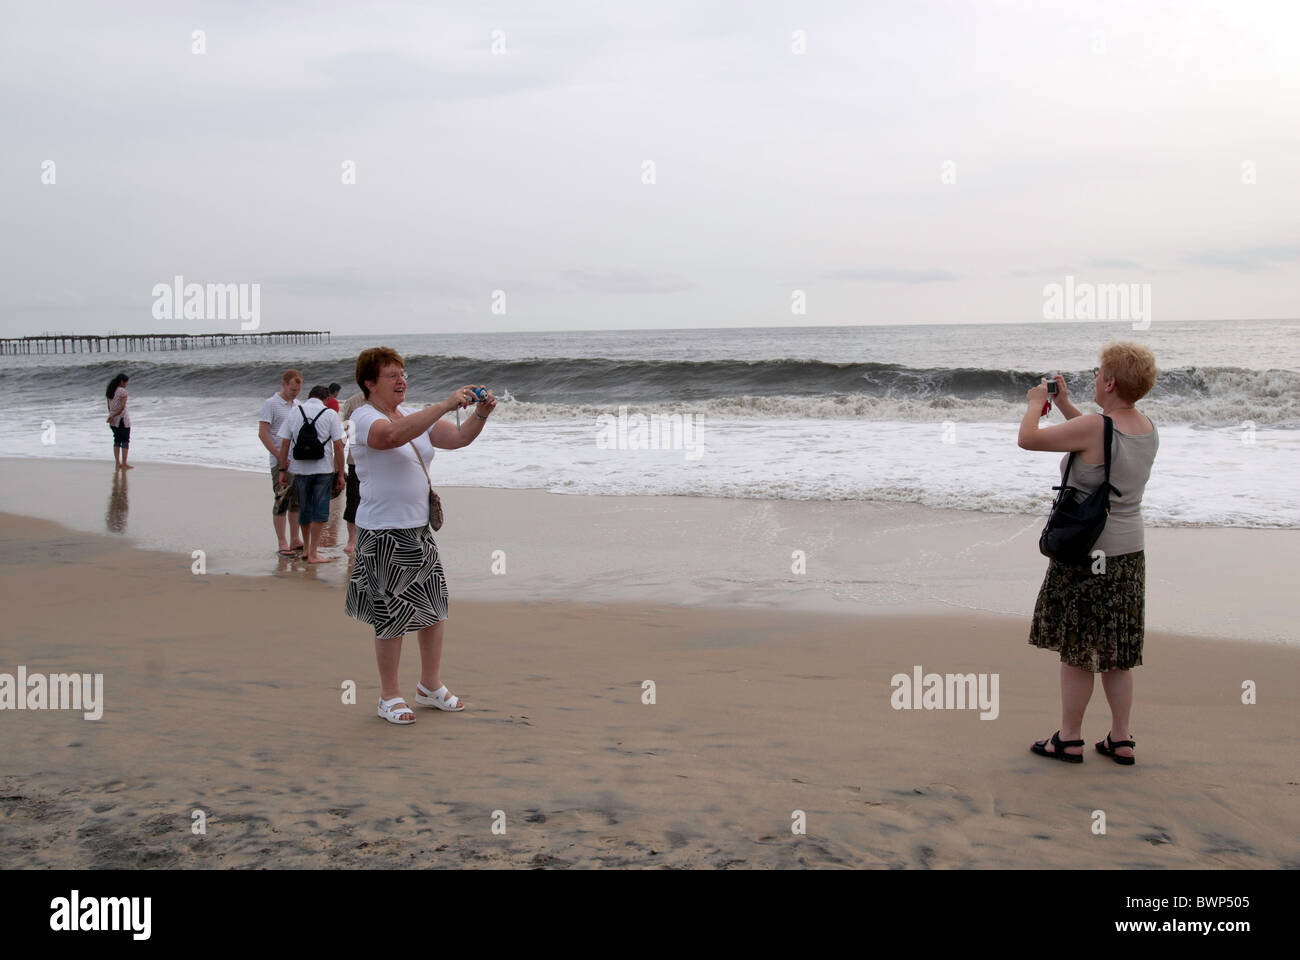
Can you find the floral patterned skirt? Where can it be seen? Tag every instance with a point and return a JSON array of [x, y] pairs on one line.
[[1096, 621]]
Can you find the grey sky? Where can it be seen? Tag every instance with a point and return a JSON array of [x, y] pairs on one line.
[[1106, 140]]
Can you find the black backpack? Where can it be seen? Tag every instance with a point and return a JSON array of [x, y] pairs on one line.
[[1076, 521], [308, 446]]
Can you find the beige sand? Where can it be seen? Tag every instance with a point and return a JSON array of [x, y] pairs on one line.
[[222, 693]]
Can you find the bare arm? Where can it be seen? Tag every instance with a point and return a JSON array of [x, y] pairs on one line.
[[1068, 409], [1079, 433], [341, 464], [264, 434], [446, 437], [283, 454], [386, 434]]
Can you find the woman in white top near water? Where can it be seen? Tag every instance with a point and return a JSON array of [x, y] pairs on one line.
[[397, 583], [1094, 614]]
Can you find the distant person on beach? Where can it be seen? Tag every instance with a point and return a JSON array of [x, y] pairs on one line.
[[275, 409], [119, 421], [352, 488], [332, 399], [1094, 614], [315, 477], [397, 584]]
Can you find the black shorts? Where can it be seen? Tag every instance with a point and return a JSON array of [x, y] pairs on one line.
[[121, 436], [352, 488]]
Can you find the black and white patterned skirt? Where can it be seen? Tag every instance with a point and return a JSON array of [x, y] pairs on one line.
[[397, 584]]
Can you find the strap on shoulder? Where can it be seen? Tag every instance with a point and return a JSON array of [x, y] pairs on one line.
[[1109, 436], [1065, 477]]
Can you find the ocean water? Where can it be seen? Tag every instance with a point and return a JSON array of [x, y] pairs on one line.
[[924, 414]]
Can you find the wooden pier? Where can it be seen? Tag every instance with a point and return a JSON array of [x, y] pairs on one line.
[[144, 342]]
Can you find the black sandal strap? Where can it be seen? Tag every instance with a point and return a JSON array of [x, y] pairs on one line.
[[1056, 739]]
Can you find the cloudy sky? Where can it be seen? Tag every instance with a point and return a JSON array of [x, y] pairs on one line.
[[670, 164]]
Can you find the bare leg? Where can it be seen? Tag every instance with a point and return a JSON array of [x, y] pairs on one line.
[[431, 657], [316, 533], [125, 465], [117, 457], [280, 520], [352, 539], [389, 655], [294, 530], [1076, 691], [1118, 685]]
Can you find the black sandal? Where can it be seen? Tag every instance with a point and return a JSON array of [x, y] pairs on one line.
[[1059, 746], [1107, 749]]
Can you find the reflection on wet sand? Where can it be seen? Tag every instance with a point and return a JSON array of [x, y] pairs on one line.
[[115, 515], [333, 535], [330, 535]]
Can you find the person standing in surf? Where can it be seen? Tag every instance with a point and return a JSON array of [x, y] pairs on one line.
[[275, 409], [352, 486], [313, 477], [119, 421]]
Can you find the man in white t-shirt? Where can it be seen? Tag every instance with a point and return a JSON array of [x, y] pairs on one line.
[[275, 410], [318, 476]]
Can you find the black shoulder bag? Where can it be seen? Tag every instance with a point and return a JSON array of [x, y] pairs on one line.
[[1077, 520]]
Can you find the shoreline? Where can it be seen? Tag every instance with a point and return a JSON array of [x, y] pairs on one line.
[[1182, 525], [222, 695], [842, 557]]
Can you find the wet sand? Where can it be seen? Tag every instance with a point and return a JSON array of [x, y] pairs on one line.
[[223, 693], [841, 557]]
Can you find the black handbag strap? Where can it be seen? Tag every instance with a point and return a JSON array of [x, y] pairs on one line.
[[1065, 477], [1109, 436]]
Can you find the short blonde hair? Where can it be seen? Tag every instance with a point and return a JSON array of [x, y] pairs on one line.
[[1132, 365]]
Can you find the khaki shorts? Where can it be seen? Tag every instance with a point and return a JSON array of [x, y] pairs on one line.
[[286, 499]]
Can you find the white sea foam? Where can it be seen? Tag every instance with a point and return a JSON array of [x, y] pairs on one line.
[[1202, 476]]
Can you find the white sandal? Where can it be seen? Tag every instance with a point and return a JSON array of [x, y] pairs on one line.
[[389, 711], [438, 698]]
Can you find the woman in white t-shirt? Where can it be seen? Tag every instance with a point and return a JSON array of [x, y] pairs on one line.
[[397, 584]]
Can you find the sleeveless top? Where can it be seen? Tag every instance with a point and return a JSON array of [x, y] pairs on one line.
[[1130, 467]]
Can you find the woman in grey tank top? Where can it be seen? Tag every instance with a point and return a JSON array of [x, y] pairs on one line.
[[1094, 615]]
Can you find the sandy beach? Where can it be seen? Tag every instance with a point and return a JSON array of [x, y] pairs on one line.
[[223, 691]]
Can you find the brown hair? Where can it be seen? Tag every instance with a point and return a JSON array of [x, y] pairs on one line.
[[370, 362], [1132, 365], [290, 374]]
